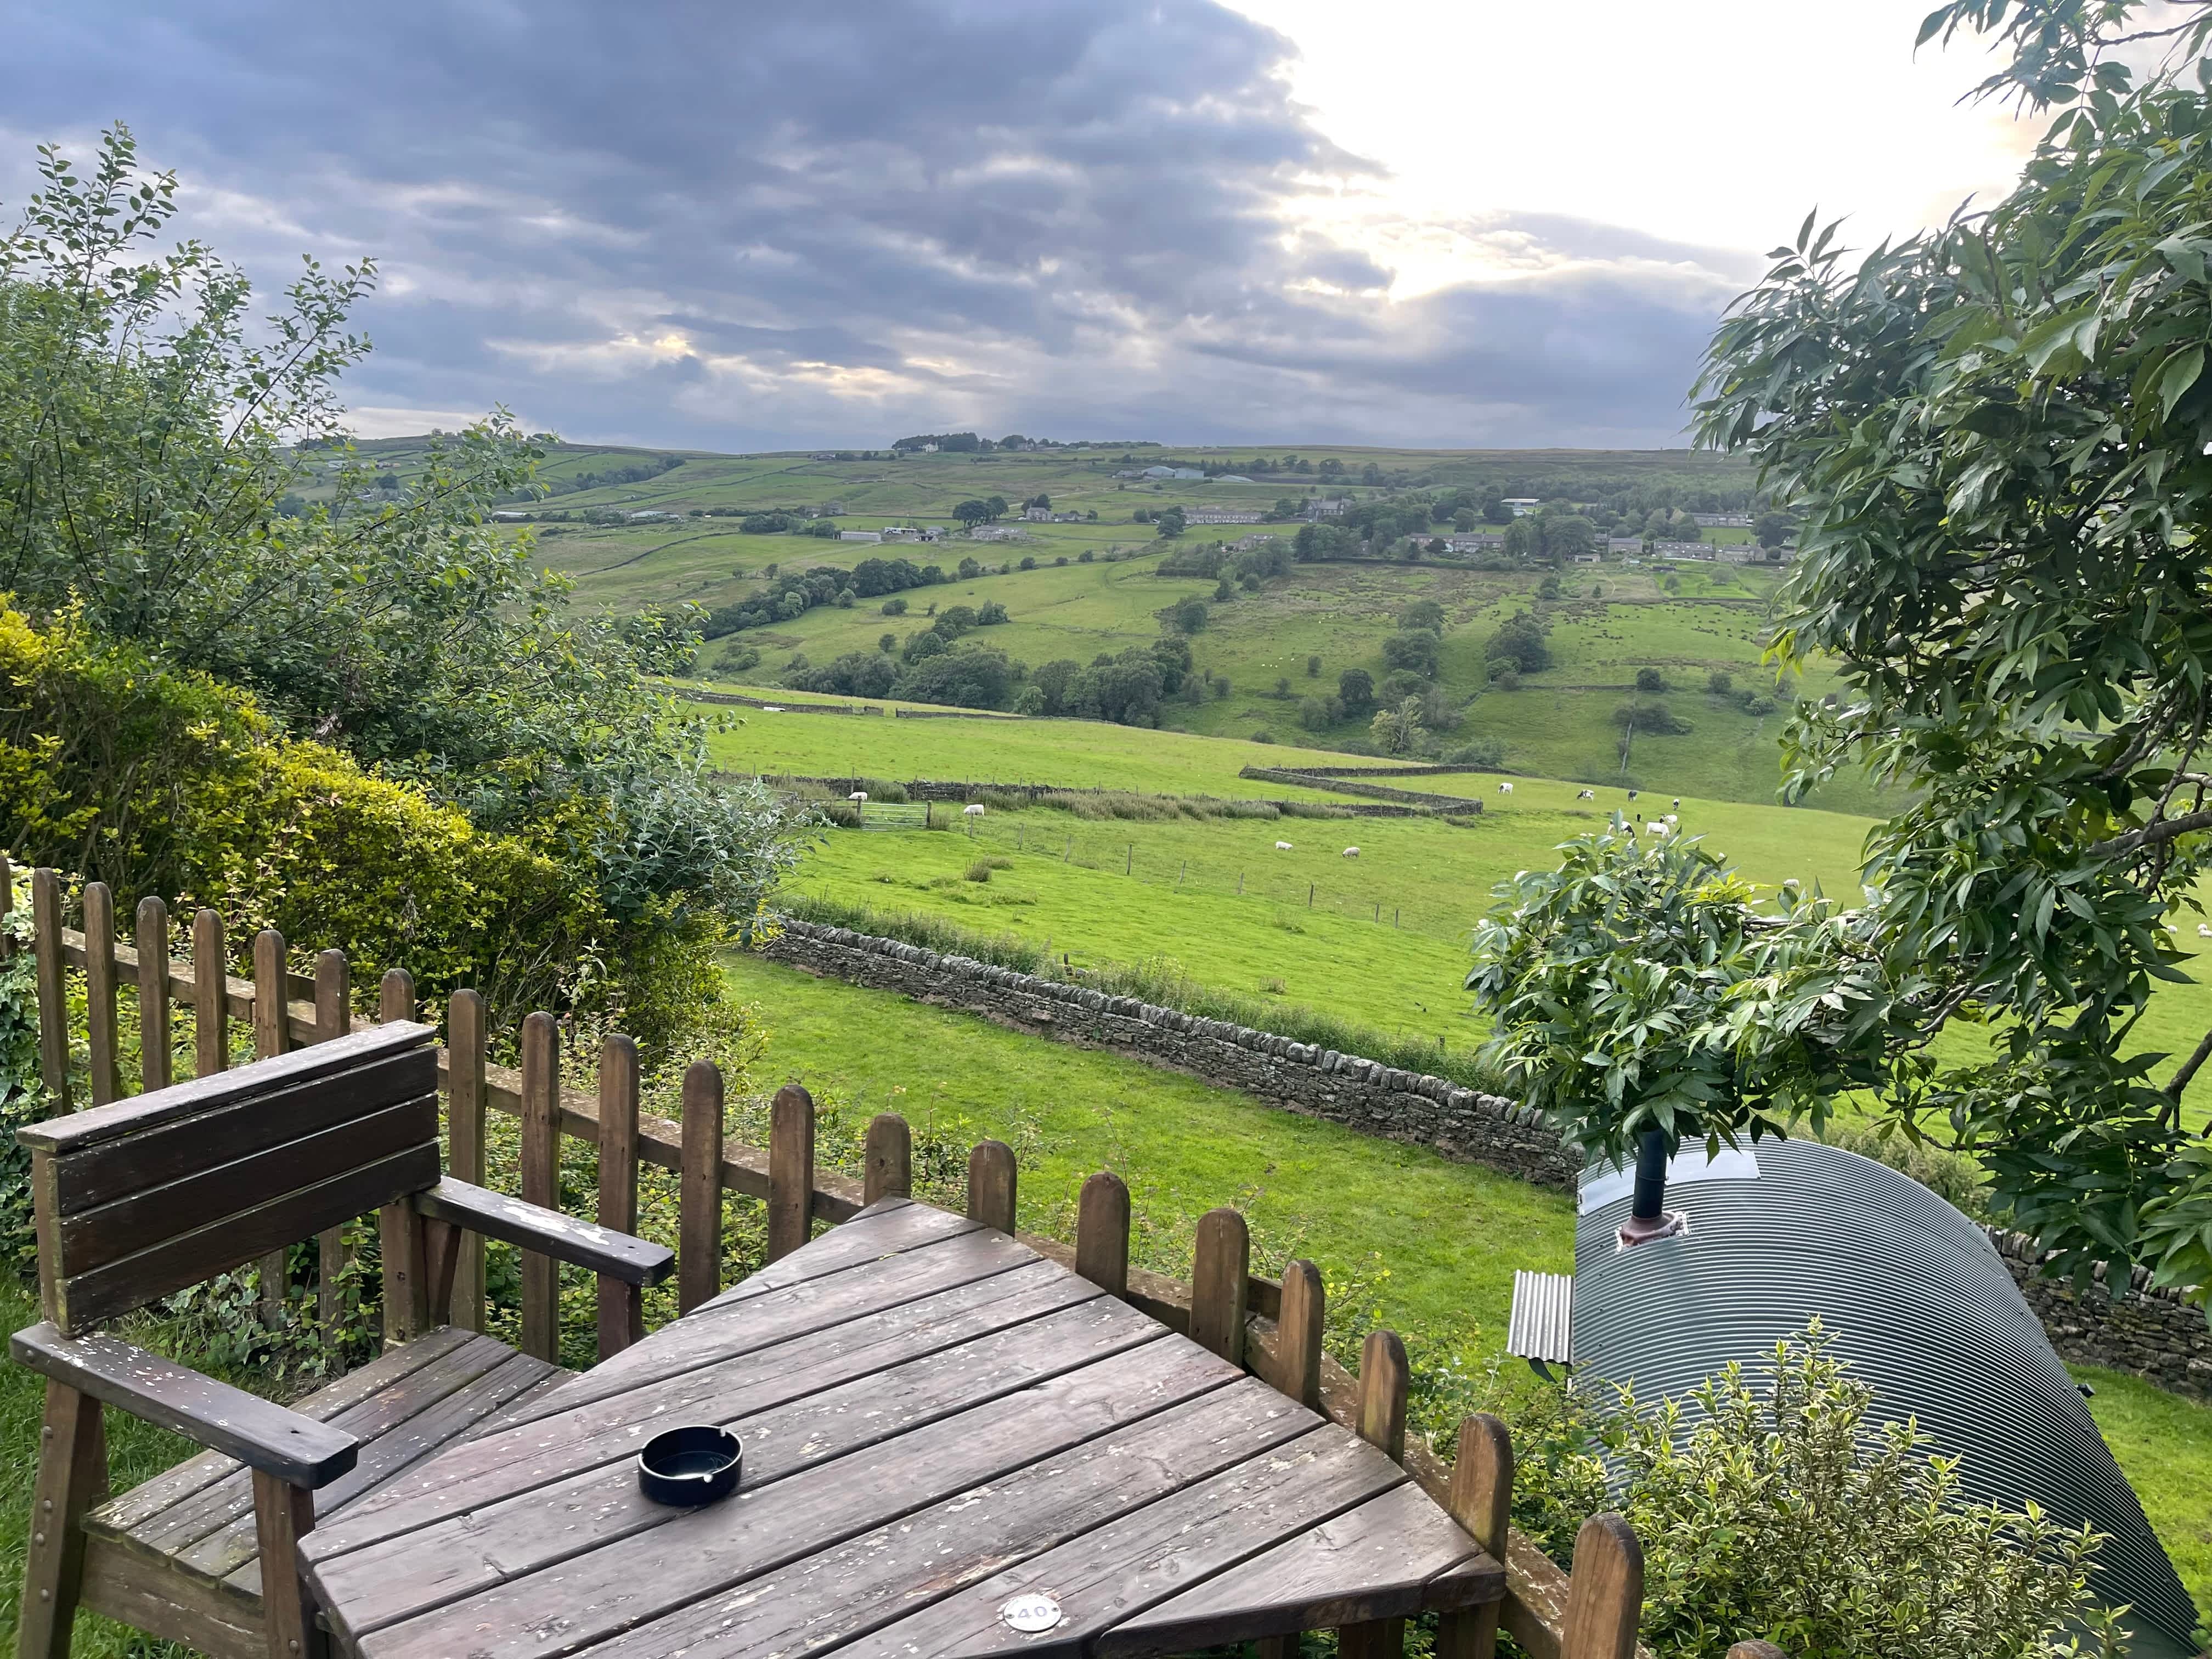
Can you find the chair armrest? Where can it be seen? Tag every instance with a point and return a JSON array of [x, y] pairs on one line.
[[548, 1233], [293, 1448]]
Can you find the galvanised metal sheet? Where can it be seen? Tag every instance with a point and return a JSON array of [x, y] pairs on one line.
[[1921, 1305]]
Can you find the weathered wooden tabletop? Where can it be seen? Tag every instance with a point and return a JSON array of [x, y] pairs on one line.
[[935, 1420]]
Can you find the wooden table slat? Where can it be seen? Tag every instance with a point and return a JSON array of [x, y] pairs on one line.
[[560, 1445], [888, 1227], [718, 1331], [702, 1552], [873, 1579], [1107, 1576], [1373, 1562]]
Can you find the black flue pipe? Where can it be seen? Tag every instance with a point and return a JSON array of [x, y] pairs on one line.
[[1650, 1176]]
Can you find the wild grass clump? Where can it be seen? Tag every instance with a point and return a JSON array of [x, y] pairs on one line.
[[1159, 981], [1312, 809]]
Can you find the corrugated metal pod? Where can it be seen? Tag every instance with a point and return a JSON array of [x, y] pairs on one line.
[[1919, 1301]]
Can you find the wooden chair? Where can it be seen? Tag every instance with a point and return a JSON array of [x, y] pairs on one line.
[[138, 1199]]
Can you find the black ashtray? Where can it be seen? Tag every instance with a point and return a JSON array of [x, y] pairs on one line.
[[689, 1466]]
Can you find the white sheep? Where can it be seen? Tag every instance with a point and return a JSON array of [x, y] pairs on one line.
[[1672, 820], [858, 795], [974, 810], [2203, 931], [1351, 852], [771, 708], [1505, 788], [1282, 847]]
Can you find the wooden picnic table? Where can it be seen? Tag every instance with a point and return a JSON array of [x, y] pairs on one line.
[[936, 1420]]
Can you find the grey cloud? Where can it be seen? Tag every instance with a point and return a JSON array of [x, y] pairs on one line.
[[718, 225]]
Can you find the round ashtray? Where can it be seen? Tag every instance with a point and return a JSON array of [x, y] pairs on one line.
[[689, 1466]]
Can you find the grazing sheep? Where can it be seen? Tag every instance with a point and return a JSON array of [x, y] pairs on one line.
[[1351, 852], [771, 708], [2203, 931], [1282, 847], [1672, 820], [974, 812], [858, 795], [1678, 803], [1505, 788]]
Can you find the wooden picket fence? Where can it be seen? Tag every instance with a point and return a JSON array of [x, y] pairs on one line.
[[1272, 1327]]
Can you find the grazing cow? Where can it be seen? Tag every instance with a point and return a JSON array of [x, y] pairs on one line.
[[1631, 794], [1505, 788], [973, 811], [1282, 847], [1587, 794], [1351, 852]]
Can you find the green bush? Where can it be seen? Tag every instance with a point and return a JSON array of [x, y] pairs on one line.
[[1775, 1509]]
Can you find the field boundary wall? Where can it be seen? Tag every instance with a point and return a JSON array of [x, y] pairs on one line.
[[950, 790], [2149, 1332], [1461, 1123], [737, 699], [1353, 786]]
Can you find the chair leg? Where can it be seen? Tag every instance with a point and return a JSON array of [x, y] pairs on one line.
[[72, 1477], [282, 1515]]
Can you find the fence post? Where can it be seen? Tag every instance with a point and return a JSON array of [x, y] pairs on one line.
[[1221, 1269], [210, 995], [790, 1170], [1294, 1368], [991, 1185], [152, 937], [271, 1037], [1605, 1596], [52, 987], [7, 905], [399, 1233], [107, 1073], [1101, 1233], [622, 1310], [888, 1170], [464, 1141], [541, 1179], [333, 1019], [699, 1197], [1382, 1378], [1481, 1500]]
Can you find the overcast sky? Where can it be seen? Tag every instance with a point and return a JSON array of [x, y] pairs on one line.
[[1442, 222]]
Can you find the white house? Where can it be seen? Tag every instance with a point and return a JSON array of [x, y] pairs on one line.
[[1037, 514], [1723, 521], [1522, 506], [1476, 542]]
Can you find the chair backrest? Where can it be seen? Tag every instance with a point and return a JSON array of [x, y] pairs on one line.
[[138, 1199]]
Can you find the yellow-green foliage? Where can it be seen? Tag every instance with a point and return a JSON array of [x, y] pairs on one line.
[[166, 782]]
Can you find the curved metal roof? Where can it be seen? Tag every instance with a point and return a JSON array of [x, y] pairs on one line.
[[1921, 1305]]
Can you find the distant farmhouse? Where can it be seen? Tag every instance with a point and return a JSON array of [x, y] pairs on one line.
[[997, 532], [1037, 514], [1723, 520], [1481, 542], [1522, 506], [1327, 507], [913, 532]]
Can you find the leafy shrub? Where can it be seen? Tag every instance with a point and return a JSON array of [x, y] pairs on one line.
[[980, 871], [1776, 1510], [1520, 639], [1650, 720], [1720, 683], [1650, 679], [1487, 753]]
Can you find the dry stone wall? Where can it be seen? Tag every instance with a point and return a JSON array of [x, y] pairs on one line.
[[1381, 1100], [2151, 1333]]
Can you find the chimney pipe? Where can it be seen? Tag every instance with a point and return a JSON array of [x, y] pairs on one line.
[[1648, 1218]]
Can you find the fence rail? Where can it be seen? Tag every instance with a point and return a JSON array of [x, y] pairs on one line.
[[1272, 1326]]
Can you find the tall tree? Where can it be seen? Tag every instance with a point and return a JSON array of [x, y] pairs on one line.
[[1996, 436]]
